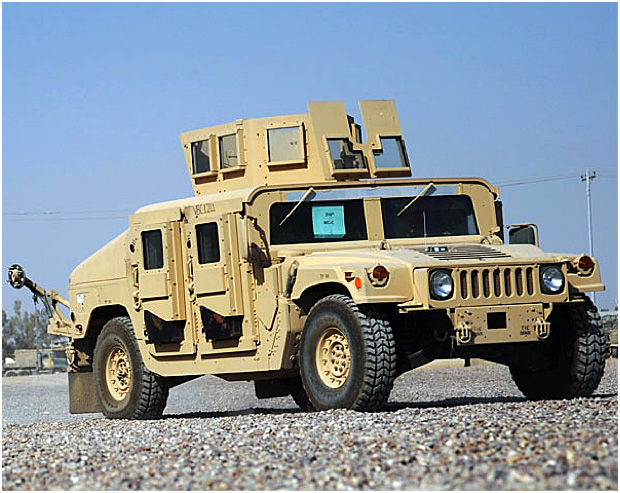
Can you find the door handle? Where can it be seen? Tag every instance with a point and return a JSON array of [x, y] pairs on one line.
[[191, 290], [137, 302]]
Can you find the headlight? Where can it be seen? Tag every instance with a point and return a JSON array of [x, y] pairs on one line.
[[441, 284], [551, 279]]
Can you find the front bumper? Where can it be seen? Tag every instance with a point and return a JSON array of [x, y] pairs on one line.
[[500, 324]]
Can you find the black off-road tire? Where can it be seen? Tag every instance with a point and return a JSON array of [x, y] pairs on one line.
[[580, 350], [299, 395], [372, 362], [147, 393]]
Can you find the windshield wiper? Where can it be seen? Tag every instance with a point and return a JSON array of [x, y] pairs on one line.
[[426, 189], [304, 197]]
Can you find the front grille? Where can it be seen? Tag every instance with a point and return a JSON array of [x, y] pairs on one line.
[[467, 252], [497, 282]]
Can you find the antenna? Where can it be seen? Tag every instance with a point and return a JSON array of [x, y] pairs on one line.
[[588, 179]]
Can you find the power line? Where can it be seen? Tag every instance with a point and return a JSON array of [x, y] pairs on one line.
[[84, 215], [527, 181], [68, 213], [56, 219]]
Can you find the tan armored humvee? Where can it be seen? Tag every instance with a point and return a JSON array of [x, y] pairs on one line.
[[312, 263]]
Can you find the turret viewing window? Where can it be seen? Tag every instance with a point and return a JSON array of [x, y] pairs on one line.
[[285, 144], [343, 157], [201, 159], [152, 249], [208, 243], [392, 153], [228, 152]]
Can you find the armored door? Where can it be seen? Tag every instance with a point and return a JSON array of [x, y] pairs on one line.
[[159, 280], [215, 287]]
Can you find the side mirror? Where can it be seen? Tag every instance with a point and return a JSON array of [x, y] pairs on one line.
[[523, 234]]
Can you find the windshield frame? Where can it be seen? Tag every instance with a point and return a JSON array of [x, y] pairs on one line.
[[365, 195], [483, 195]]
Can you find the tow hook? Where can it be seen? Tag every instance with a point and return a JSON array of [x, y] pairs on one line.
[[542, 328], [463, 334]]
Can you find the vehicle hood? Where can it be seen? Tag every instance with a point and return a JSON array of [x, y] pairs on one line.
[[460, 254], [106, 263]]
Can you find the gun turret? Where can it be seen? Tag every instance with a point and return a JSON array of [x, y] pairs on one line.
[[50, 299]]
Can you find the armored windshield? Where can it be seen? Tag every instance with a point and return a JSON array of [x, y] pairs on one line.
[[317, 221], [437, 215], [314, 216]]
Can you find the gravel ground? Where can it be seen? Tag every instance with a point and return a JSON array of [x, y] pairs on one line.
[[453, 428]]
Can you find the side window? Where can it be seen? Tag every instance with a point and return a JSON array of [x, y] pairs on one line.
[[228, 151], [392, 154], [153, 250], [208, 243], [285, 144], [201, 160], [343, 157]]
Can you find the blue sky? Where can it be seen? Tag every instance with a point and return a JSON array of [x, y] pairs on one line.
[[95, 97]]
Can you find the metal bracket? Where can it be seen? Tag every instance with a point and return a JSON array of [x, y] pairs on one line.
[[135, 294], [542, 328], [463, 334]]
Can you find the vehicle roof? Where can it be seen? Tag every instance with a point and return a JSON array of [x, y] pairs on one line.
[[238, 197], [232, 195]]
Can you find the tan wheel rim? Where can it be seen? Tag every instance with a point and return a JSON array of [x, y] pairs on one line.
[[118, 373], [333, 359]]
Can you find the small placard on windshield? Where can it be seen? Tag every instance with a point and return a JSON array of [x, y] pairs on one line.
[[328, 221]]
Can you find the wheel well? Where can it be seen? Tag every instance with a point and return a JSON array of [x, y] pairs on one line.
[[314, 293], [98, 318]]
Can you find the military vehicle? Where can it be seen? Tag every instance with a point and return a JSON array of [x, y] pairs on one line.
[[310, 262], [34, 362]]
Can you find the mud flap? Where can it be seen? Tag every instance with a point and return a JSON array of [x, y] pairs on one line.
[[82, 397]]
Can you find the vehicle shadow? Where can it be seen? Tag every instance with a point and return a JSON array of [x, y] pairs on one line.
[[468, 401], [453, 402], [391, 406], [241, 412]]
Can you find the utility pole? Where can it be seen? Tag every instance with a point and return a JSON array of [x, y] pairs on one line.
[[588, 179]]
